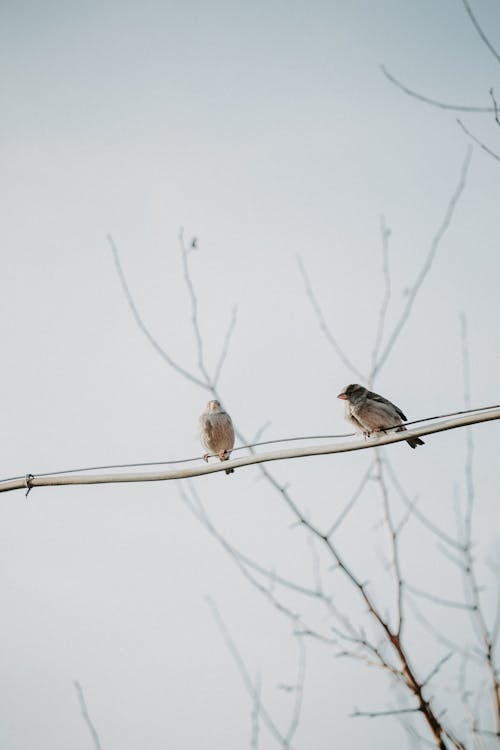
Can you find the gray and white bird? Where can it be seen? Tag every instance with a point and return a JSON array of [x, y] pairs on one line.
[[369, 412], [217, 432]]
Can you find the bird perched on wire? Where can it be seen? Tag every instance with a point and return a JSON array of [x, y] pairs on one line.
[[216, 432], [369, 412]]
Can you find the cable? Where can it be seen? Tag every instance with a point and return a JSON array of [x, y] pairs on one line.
[[244, 447]]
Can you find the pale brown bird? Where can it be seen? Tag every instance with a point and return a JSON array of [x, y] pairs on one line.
[[369, 412], [216, 432]]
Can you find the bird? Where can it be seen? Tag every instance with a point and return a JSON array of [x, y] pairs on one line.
[[217, 432], [369, 412]]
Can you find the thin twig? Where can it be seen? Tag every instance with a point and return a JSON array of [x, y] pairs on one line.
[[427, 264], [225, 346], [479, 619], [439, 533], [391, 712], [194, 308], [479, 30], [385, 233], [436, 669], [495, 106], [323, 325], [482, 145], [298, 691], [86, 717], [428, 100], [394, 540], [438, 599], [142, 326], [245, 676], [352, 501]]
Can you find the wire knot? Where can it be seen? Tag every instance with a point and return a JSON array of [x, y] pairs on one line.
[[27, 483]]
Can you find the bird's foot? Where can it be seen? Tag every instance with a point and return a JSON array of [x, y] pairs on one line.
[[205, 457], [223, 455]]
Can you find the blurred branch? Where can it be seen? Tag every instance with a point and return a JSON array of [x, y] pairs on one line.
[[85, 714], [142, 326], [246, 679], [350, 504], [394, 540], [185, 251], [480, 31], [478, 616], [426, 267], [322, 323], [385, 233], [428, 100], [298, 691], [479, 143], [391, 712], [225, 346], [495, 106]]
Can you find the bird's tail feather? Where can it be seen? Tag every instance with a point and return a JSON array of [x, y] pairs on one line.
[[413, 442]]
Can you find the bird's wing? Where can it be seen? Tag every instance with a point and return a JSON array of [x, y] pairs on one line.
[[382, 400], [219, 431]]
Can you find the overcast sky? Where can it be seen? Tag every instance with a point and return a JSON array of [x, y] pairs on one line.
[[268, 131]]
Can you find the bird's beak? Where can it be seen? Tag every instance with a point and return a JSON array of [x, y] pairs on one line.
[[342, 396]]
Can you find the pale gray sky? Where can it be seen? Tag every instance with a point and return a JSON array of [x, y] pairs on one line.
[[268, 131]]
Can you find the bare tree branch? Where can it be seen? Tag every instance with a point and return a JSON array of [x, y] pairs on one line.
[[438, 599], [142, 326], [298, 691], [185, 251], [391, 712], [436, 669], [352, 501], [385, 233], [225, 346], [482, 145], [428, 100], [482, 629], [245, 676], [395, 562], [322, 323], [479, 30], [254, 740], [86, 717], [495, 107], [426, 267]]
